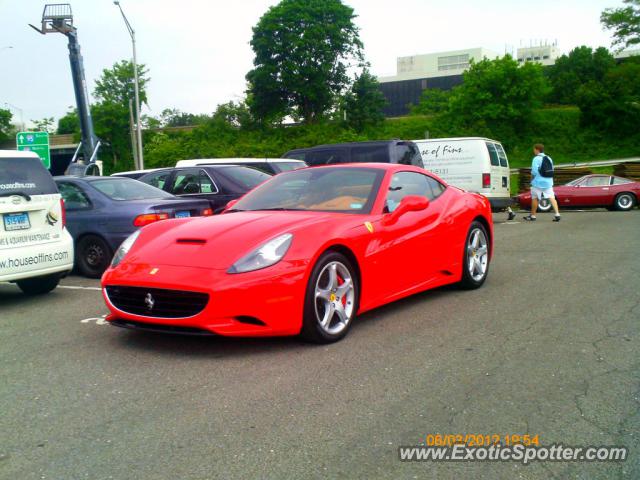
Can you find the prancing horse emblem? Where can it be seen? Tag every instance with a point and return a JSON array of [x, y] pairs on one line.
[[150, 301]]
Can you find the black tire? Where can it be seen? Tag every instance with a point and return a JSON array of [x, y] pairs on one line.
[[624, 201], [469, 281], [93, 256], [312, 330], [39, 285], [545, 205]]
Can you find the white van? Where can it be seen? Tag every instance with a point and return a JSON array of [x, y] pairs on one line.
[[473, 164], [36, 250]]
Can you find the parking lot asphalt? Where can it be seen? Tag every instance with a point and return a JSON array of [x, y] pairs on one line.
[[550, 346]]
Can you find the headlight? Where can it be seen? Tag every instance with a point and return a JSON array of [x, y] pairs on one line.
[[124, 248], [268, 254]]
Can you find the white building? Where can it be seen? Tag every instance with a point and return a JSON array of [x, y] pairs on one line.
[[439, 64], [543, 54]]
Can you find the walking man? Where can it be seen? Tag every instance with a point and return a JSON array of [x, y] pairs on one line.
[[542, 182]]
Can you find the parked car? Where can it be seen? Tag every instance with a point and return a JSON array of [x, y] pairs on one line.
[[104, 211], [36, 249], [303, 253], [135, 174], [388, 151], [473, 164], [591, 191], [218, 184], [272, 166]]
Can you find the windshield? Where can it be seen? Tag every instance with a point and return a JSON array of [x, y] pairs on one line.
[[128, 189], [25, 175], [347, 190], [576, 181]]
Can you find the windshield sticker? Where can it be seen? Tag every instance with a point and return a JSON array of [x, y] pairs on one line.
[[356, 205]]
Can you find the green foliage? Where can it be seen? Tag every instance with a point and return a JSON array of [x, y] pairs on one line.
[[625, 23], [581, 66], [432, 101], [6, 128], [302, 53], [363, 103], [172, 117], [43, 125], [69, 123], [116, 84], [613, 105], [498, 96]]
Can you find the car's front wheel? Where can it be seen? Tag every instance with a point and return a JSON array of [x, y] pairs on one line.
[[331, 300], [475, 266], [39, 285], [92, 256], [624, 202]]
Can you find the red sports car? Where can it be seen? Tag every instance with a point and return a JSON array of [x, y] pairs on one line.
[[302, 254], [614, 193]]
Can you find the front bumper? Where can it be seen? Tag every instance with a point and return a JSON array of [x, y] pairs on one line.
[[261, 303]]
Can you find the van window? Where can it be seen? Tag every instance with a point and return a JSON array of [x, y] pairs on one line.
[[493, 155], [327, 156], [503, 156], [409, 154], [25, 175], [370, 153]]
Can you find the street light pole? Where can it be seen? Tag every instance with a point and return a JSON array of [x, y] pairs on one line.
[[8, 105], [132, 33]]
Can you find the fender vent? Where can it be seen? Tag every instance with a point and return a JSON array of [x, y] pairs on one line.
[[250, 320], [193, 241]]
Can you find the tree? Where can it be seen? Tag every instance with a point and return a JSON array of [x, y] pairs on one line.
[[172, 117], [116, 84], [43, 125], [432, 101], [69, 123], [303, 49], [625, 23], [364, 101], [498, 95], [613, 105], [6, 128], [581, 66]]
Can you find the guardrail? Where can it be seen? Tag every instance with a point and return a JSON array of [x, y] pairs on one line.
[[597, 163]]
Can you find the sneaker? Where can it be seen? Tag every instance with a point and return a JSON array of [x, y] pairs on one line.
[[512, 215], [530, 218], [556, 218]]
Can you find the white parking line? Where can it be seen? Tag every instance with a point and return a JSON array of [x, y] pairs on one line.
[[71, 287]]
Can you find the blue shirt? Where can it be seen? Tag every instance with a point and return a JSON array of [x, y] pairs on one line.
[[538, 180]]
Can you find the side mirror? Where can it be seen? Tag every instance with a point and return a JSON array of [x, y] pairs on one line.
[[410, 203]]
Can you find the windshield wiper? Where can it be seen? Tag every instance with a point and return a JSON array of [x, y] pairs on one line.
[[19, 194]]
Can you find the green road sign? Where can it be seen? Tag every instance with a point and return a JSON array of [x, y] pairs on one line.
[[37, 142]]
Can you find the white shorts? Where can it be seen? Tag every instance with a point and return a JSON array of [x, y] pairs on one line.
[[542, 192]]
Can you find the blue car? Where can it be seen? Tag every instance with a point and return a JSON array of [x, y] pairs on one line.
[[103, 211]]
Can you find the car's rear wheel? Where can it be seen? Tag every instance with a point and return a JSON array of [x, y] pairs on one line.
[[624, 201], [331, 300], [93, 256], [475, 266], [544, 205], [39, 285]]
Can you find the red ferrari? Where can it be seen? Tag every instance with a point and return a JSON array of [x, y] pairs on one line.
[[302, 253], [609, 191]]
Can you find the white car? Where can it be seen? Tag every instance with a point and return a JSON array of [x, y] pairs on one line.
[[474, 164], [36, 250]]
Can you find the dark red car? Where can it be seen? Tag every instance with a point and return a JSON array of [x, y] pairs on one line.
[[592, 191]]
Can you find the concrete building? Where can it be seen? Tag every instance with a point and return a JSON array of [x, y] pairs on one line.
[[543, 54], [434, 70]]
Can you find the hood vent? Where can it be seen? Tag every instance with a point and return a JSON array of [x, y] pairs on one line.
[[192, 241]]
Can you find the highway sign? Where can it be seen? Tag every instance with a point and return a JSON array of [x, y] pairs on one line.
[[37, 142]]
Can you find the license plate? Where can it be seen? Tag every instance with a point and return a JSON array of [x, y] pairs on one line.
[[16, 221], [183, 214]]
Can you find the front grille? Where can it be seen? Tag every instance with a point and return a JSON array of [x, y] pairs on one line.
[[157, 302]]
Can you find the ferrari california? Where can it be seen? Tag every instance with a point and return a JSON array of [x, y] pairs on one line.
[[303, 253], [591, 191]]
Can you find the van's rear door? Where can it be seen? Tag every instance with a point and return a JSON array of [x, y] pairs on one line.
[[499, 170]]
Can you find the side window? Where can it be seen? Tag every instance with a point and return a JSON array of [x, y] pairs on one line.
[[597, 181], [205, 183], [186, 182], [406, 183], [328, 156], [437, 188], [74, 198], [493, 154], [620, 181], [367, 154], [501, 155], [158, 180]]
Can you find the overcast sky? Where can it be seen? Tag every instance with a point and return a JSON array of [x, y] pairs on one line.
[[197, 51]]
